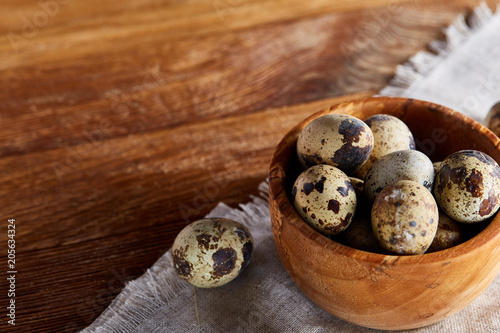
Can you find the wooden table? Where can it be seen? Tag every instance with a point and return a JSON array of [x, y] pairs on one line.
[[122, 121]]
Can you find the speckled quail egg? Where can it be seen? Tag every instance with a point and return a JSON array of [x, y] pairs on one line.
[[339, 140], [359, 235], [467, 186], [493, 119], [212, 251], [325, 198], [399, 165], [389, 134], [448, 234], [405, 218]]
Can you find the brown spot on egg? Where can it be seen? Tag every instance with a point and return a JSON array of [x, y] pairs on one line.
[[182, 265], [319, 186], [487, 205], [349, 157], [204, 241], [458, 174], [224, 261], [447, 176], [334, 206], [345, 221], [474, 183], [351, 131], [307, 188]]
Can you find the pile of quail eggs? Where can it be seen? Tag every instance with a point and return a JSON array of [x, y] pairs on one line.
[[366, 186]]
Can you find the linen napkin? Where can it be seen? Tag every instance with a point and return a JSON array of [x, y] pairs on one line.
[[463, 73]]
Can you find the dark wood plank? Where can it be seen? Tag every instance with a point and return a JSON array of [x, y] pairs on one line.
[[142, 80], [79, 264]]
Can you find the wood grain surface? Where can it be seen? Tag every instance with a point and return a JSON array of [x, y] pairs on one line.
[[122, 121]]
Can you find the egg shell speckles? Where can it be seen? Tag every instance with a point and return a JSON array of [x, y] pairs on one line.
[[389, 134], [339, 140], [399, 165], [325, 198], [467, 186], [212, 252], [405, 218]]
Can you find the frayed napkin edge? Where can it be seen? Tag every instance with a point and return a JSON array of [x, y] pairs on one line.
[[142, 297], [423, 62]]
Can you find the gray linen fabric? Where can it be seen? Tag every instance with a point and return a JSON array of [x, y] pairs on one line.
[[464, 75]]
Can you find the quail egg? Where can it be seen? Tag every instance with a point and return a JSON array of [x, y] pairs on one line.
[[467, 186], [389, 134], [493, 119], [448, 234], [405, 218], [359, 235], [212, 252], [339, 140], [403, 164], [325, 198]]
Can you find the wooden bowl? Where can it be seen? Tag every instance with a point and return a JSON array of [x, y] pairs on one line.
[[386, 291]]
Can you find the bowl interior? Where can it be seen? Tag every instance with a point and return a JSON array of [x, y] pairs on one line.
[[438, 132], [376, 290]]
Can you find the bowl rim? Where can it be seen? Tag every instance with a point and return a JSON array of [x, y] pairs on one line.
[[277, 191]]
